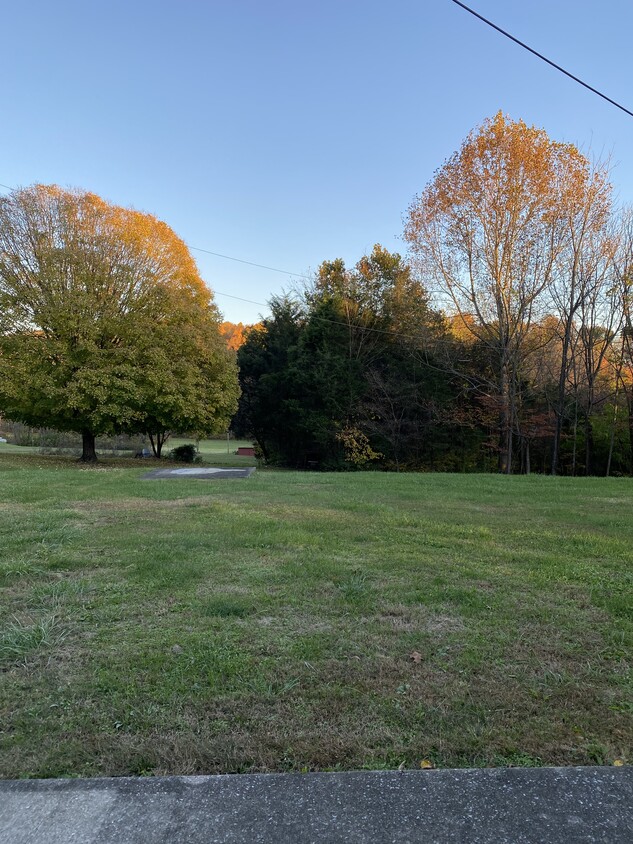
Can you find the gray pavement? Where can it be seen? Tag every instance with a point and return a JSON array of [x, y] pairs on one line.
[[206, 473], [491, 806]]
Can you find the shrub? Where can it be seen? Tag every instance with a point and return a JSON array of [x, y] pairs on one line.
[[186, 453]]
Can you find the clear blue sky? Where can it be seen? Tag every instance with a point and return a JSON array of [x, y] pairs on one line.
[[288, 132]]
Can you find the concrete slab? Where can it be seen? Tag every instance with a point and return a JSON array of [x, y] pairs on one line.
[[493, 806], [205, 473]]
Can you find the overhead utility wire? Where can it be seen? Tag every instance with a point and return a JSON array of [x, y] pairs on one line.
[[333, 321], [544, 58], [250, 263], [227, 257]]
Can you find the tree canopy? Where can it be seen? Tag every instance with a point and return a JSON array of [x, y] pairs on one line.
[[332, 381], [505, 341], [492, 230], [106, 323]]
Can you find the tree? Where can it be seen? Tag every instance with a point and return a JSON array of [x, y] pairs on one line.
[[188, 377], [341, 378], [266, 386], [599, 324], [622, 346], [107, 326], [488, 230], [579, 269], [234, 334]]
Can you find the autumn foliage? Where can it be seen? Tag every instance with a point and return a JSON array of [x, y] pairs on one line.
[[235, 333], [503, 342], [503, 224], [106, 323]]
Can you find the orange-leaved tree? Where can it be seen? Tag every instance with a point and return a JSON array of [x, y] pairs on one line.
[[488, 231]]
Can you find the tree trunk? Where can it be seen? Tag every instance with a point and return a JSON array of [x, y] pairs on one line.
[[504, 448], [588, 445], [557, 434], [575, 446], [88, 454], [614, 422], [560, 404], [157, 441], [629, 404], [505, 424]]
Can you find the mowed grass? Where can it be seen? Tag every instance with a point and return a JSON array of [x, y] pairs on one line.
[[213, 452], [186, 626], [217, 452], [9, 448]]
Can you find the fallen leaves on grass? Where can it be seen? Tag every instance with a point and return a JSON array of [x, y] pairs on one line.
[[415, 656]]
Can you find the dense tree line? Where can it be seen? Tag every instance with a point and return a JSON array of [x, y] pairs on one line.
[[505, 342], [351, 376]]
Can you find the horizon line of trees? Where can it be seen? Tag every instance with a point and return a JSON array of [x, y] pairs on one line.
[[505, 342], [328, 383]]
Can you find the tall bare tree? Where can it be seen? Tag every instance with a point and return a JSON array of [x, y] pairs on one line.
[[579, 268], [624, 281], [599, 321], [488, 231]]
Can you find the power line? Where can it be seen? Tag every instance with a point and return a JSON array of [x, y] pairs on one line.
[[318, 318], [250, 263], [267, 304], [348, 325], [287, 272], [228, 258], [387, 331], [240, 298], [543, 58]]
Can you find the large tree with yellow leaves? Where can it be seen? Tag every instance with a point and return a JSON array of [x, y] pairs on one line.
[[105, 323]]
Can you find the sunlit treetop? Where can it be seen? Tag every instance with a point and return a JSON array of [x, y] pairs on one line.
[[69, 249]]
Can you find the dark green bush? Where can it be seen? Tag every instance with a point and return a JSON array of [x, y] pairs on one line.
[[186, 453]]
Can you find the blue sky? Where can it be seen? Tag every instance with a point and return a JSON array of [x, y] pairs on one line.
[[287, 132]]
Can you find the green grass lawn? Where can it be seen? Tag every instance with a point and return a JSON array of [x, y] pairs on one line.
[[210, 448], [186, 626], [213, 452], [9, 448], [216, 452]]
